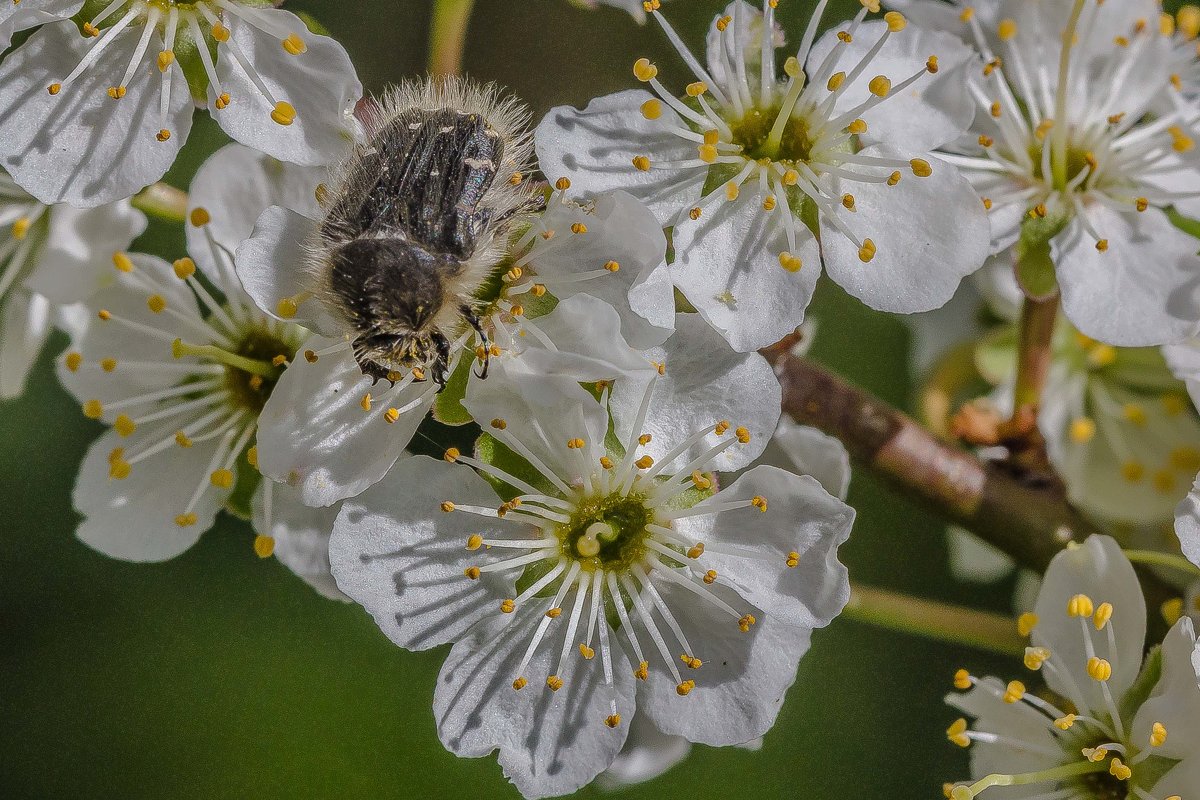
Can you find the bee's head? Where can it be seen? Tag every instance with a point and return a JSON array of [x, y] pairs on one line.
[[384, 356]]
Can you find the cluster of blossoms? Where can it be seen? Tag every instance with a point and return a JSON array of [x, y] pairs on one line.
[[618, 561]]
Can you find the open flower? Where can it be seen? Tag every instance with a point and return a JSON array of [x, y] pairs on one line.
[[92, 116], [1107, 725], [583, 584], [332, 430], [765, 177], [49, 255], [1078, 152]]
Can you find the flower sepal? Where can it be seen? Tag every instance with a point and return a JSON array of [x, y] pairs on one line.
[[1033, 260]]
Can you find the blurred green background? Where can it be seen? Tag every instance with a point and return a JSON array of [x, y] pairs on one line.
[[219, 675]]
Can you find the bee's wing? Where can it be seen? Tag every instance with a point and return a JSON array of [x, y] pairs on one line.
[[426, 177]]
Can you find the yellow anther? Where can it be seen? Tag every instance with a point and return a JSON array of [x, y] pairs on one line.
[[710, 577], [163, 135], [1134, 413], [642, 163], [1035, 657], [123, 425], [848, 202], [186, 520], [264, 546], [962, 680], [769, 203], [957, 733], [1102, 355], [1119, 770], [894, 178], [122, 262], [1141, 204], [685, 688], [221, 478], [284, 113], [156, 303], [294, 45], [182, 439], [1158, 735], [731, 191], [219, 32], [606, 462], [986, 141], [554, 613], [54, 88], [391, 415], [721, 427], [612, 266], [1099, 669], [643, 671], [575, 444], [1188, 20], [707, 153], [519, 684], [165, 59], [792, 560], [90, 30], [1007, 29], [691, 661], [696, 550], [967, 14], [791, 67], [474, 541], [222, 101], [835, 81], [645, 462], [119, 468], [1186, 459], [1014, 692], [1172, 610], [857, 127], [451, 454], [104, 314], [1065, 723], [791, 177], [1026, 623], [612, 720], [578, 227], [932, 65], [1103, 614], [745, 621], [696, 89], [472, 572], [1095, 754], [1133, 471], [1180, 141], [880, 86], [116, 92], [759, 502], [447, 506], [93, 409], [723, 23], [365, 402], [20, 228], [586, 651], [507, 606], [701, 481], [921, 168], [895, 21], [652, 108], [1080, 605], [1082, 430], [742, 435], [74, 361], [643, 70], [867, 252]]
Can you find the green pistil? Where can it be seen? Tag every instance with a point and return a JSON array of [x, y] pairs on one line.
[[607, 533]]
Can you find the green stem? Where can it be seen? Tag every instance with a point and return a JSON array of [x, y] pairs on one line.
[[448, 35], [163, 201], [1028, 778], [1157, 559], [933, 620], [1036, 352]]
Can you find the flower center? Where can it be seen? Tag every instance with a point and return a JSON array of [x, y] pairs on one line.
[[250, 389], [753, 133], [607, 533]]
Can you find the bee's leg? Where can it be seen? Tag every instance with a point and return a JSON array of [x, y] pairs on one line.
[[372, 369], [441, 363], [473, 320]]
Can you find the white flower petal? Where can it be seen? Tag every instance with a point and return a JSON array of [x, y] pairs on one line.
[[586, 334], [1098, 569], [25, 324], [1121, 296], [315, 435], [621, 229], [20, 16], [81, 146], [301, 534], [972, 559], [320, 84], [727, 265], [933, 111], [648, 753], [741, 684], [134, 519], [801, 518], [76, 257], [808, 451], [550, 743], [1184, 360], [399, 555], [271, 265], [1187, 523], [537, 406], [1018, 722], [235, 185], [595, 148], [1176, 699], [1183, 780], [704, 382], [930, 233]]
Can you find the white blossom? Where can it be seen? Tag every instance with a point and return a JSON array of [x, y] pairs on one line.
[[747, 161], [1106, 726], [49, 255], [585, 584], [93, 115]]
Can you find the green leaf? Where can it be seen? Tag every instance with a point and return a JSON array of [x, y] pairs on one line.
[[491, 450], [247, 480], [1146, 680], [447, 407], [1035, 267]]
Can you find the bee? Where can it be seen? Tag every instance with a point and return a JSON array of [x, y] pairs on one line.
[[421, 214]]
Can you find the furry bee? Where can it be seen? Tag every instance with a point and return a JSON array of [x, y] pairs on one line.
[[422, 213]]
